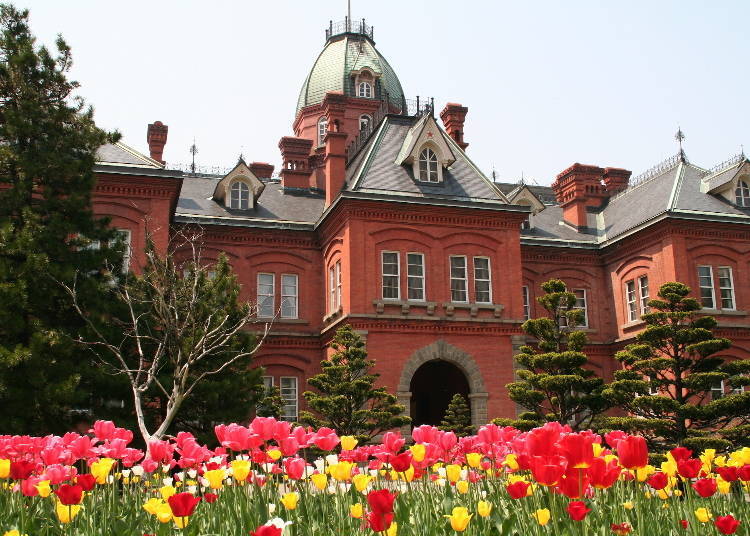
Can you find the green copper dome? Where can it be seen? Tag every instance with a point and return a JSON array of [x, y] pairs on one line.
[[332, 70]]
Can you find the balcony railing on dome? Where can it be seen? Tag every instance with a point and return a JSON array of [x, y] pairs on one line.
[[350, 26]]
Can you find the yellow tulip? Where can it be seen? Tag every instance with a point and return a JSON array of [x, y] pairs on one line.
[[43, 489], [14, 532], [628, 505], [462, 486], [215, 478], [163, 512], [181, 522], [4, 468], [642, 473], [240, 470], [151, 505], [723, 485], [598, 449], [720, 461], [484, 508], [474, 459], [392, 530], [417, 452], [320, 480], [460, 518], [274, 454], [453, 472], [407, 475], [167, 492], [290, 500], [348, 442], [356, 511], [542, 516], [361, 481], [669, 467], [341, 471], [511, 462], [703, 515], [663, 494], [101, 468], [65, 512]]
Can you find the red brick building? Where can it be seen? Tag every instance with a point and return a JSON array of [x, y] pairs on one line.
[[379, 218]]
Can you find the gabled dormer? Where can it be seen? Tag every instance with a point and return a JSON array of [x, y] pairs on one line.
[[730, 181], [522, 195], [239, 189], [426, 150]]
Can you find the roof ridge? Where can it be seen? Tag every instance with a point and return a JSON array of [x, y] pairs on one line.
[[725, 165], [653, 172]]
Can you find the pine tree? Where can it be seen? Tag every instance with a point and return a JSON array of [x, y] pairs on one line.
[[270, 403], [669, 372], [457, 417], [554, 384], [346, 398], [48, 142]]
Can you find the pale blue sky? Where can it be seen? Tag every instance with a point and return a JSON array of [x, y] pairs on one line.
[[547, 83]]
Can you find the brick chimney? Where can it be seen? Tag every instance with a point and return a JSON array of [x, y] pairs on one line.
[[334, 106], [262, 170], [156, 136], [453, 116], [576, 188], [295, 156], [616, 179]]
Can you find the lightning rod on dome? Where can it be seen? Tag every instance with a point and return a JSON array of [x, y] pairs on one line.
[[679, 136], [193, 151]]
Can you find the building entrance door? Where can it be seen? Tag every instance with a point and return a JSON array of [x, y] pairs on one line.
[[432, 387]]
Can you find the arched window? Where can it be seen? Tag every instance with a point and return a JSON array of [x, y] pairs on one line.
[[428, 166], [365, 123], [364, 89], [322, 129], [742, 194], [239, 196]]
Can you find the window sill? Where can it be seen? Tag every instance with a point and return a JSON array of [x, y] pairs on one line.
[[291, 321], [726, 312], [405, 305], [634, 324], [332, 316], [473, 308]]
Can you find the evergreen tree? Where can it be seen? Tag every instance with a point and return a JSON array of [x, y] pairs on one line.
[[48, 142], [554, 384], [346, 398], [270, 403], [666, 385], [457, 417]]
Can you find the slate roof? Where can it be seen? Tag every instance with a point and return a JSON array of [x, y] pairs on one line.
[[120, 154], [545, 193]]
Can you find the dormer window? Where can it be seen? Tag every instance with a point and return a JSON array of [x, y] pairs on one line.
[[365, 123], [239, 196], [742, 194], [322, 129], [364, 89], [428, 166]]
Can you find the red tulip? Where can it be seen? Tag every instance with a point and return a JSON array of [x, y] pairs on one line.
[[86, 481], [21, 469], [728, 473], [69, 494], [210, 497], [621, 529], [658, 480], [574, 483], [402, 462], [744, 473], [267, 530], [578, 449], [727, 524], [183, 504], [381, 501], [577, 510], [518, 489], [680, 453], [326, 439], [294, 467], [705, 487], [632, 452], [689, 468], [602, 474], [684, 524], [379, 522], [548, 470]]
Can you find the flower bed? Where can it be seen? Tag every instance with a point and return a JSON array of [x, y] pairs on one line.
[[501, 481]]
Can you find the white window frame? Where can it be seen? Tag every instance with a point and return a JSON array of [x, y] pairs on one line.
[[366, 120], [332, 289], [293, 298], [415, 277], [364, 90], [709, 287], [261, 312], [652, 390], [397, 275], [465, 278], [429, 157], [730, 288], [526, 302], [127, 237], [338, 284], [289, 401], [267, 385], [643, 294], [488, 279], [742, 194], [631, 300], [322, 129], [585, 307], [240, 201]]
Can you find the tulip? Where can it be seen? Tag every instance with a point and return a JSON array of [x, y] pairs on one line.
[[361, 481], [518, 489], [290, 500], [689, 468], [4, 468], [320, 480], [484, 508], [680, 453], [295, 468], [21, 470], [326, 439], [577, 510], [215, 478], [348, 442], [453, 472], [167, 491], [267, 530], [13, 532], [727, 524], [68, 494], [356, 511], [547, 471], [183, 504], [66, 513], [87, 481], [703, 515], [621, 529], [459, 518], [632, 452], [723, 486], [379, 522], [274, 454], [578, 450], [628, 505], [392, 530], [462, 486], [728, 473], [418, 451], [240, 470], [402, 462], [658, 480], [381, 501], [542, 516], [705, 487], [101, 468], [473, 459], [342, 471], [603, 474], [44, 489]]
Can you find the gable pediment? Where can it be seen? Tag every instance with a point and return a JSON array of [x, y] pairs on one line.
[[524, 196], [724, 182], [241, 173], [425, 132]]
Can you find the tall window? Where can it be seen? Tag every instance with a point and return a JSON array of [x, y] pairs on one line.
[[526, 303], [125, 237], [428, 166], [239, 196], [643, 291], [415, 276], [265, 295], [581, 304], [322, 129], [706, 284], [390, 275], [459, 292], [338, 284], [365, 123], [742, 194], [631, 299], [334, 287], [289, 296], [726, 287], [288, 387], [267, 383], [364, 89], [482, 280]]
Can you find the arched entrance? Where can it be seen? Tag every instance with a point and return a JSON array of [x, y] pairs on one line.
[[432, 387]]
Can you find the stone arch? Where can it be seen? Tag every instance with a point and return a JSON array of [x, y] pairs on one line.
[[441, 350]]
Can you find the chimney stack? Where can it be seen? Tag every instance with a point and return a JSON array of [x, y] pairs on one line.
[[453, 117], [335, 142], [616, 179], [262, 170], [295, 157], [156, 136]]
